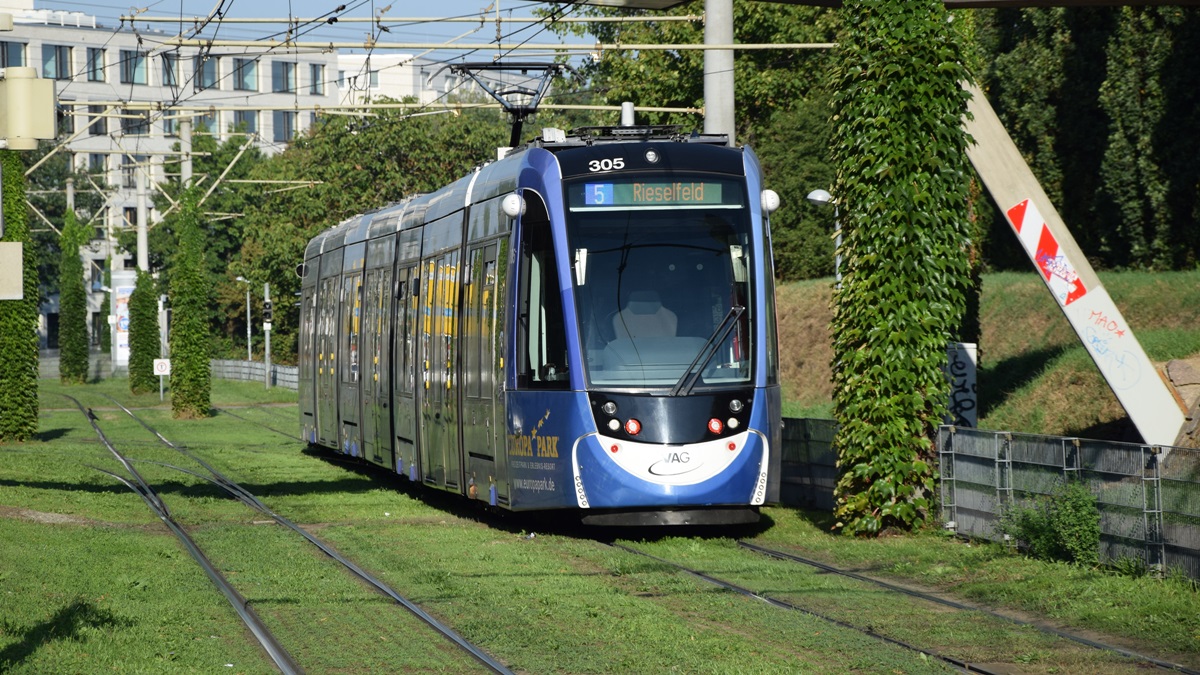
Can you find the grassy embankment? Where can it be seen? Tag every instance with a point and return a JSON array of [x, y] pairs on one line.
[[1034, 375]]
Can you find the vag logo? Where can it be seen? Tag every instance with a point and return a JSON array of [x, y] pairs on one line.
[[674, 464]]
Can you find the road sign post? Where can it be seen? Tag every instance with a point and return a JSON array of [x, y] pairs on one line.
[[162, 368]]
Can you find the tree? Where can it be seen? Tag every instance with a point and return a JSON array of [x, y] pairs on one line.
[[355, 166], [782, 109], [191, 375], [72, 303], [18, 318], [143, 334], [899, 148]]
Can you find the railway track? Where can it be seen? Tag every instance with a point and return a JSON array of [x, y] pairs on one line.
[[282, 659], [783, 555], [1135, 660]]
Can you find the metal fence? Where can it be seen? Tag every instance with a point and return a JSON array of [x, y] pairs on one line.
[[255, 371], [1148, 496], [809, 463]]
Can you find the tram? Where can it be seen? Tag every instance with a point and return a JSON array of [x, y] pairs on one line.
[[586, 324]]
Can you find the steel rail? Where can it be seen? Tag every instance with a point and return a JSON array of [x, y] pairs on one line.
[[280, 656], [957, 663], [781, 555], [223, 411], [245, 496]]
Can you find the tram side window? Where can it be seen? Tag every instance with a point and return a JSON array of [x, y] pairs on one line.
[[352, 307], [541, 337]]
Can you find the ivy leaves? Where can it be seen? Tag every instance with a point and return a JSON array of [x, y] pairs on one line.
[[900, 154]]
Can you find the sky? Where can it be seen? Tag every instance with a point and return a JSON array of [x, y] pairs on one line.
[[427, 29]]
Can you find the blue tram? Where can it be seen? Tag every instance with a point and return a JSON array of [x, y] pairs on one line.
[[585, 324]]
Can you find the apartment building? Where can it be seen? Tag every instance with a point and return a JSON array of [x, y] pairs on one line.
[[122, 93]]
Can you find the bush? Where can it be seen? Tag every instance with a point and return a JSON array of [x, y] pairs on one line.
[[1064, 526]]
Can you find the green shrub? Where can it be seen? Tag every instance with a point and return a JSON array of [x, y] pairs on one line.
[[191, 346], [1064, 526], [18, 318], [144, 345], [72, 304]]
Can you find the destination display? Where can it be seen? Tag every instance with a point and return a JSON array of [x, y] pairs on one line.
[[635, 194]]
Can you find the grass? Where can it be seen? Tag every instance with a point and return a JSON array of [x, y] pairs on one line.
[[1034, 376]]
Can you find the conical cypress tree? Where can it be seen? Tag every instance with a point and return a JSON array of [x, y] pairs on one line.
[[72, 304], [191, 375], [143, 334], [18, 318]]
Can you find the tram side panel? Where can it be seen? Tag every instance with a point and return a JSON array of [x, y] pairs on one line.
[[349, 368], [376, 357], [328, 294], [406, 321], [307, 361], [439, 443], [481, 353]]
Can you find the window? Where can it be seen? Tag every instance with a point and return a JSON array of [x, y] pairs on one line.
[[283, 77], [374, 79], [170, 126], [207, 76], [135, 122], [128, 213], [246, 120], [541, 333], [100, 128], [133, 67], [12, 54], [208, 122], [170, 70], [284, 122], [98, 164], [245, 74], [316, 72], [95, 64], [64, 120], [56, 62], [341, 79]]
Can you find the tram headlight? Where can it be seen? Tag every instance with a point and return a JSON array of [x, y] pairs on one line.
[[609, 408], [732, 423], [652, 156], [735, 406], [614, 425]]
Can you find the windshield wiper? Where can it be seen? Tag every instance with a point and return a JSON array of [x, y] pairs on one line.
[[685, 384]]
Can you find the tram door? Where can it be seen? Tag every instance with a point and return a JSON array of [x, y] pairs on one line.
[[351, 364], [326, 345], [308, 358], [440, 456], [480, 351], [376, 420], [407, 322]]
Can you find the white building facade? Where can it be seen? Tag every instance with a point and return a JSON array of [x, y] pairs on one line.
[[123, 95]]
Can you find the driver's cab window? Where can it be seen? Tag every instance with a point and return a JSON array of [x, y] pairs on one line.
[[541, 342]]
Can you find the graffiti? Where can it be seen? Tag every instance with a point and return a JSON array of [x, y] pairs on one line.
[[1101, 319], [1121, 368], [960, 371], [1057, 265]]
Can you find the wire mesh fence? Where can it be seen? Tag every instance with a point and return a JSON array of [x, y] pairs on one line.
[[255, 371], [1148, 496]]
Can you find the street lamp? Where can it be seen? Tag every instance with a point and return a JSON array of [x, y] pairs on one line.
[[246, 281], [823, 198]]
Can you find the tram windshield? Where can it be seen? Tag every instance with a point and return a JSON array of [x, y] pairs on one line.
[[662, 276]]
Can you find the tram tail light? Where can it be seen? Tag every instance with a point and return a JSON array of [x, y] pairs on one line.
[[633, 427], [716, 426]]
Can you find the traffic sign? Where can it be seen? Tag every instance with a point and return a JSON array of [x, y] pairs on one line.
[[162, 366]]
